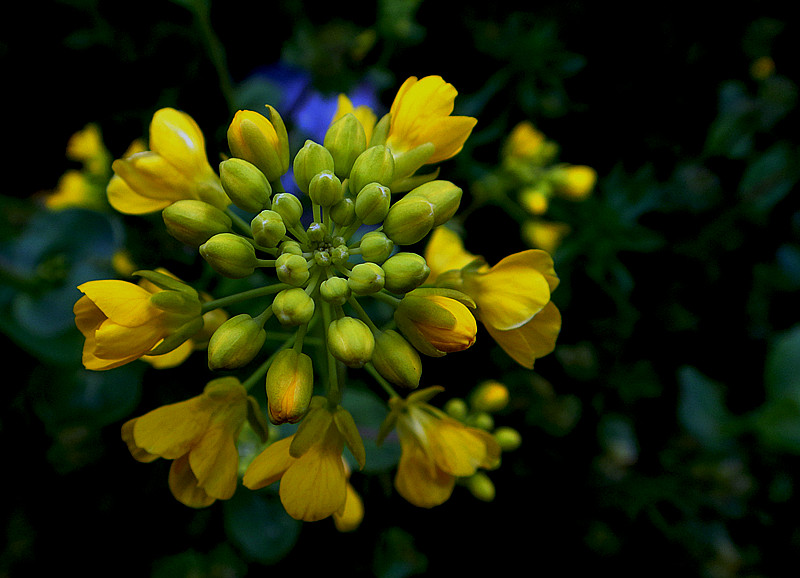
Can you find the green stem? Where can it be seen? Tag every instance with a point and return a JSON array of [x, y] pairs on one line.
[[216, 52], [243, 296], [363, 314], [387, 387], [259, 374], [334, 389], [238, 221], [386, 297]]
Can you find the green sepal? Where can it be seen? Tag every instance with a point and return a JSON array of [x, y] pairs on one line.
[[256, 419], [164, 281], [352, 439], [177, 338]]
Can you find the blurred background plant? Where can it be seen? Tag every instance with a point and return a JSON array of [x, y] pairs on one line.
[[661, 438]]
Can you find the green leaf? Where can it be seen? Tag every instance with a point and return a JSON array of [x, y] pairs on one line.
[[701, 408]]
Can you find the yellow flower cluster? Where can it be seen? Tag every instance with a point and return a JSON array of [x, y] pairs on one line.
[[365, 204]]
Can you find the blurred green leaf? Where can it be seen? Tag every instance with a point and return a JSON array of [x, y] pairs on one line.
[[769, 178], [257, 523], [701, 409], [369, 411], [396, 556]]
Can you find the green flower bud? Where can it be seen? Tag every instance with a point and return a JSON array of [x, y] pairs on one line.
[[293, 307], [396, 359], [346, 140], [481, 420], [291, 247], [317, 232], [372, 203], [409, 220], [340, 254], [292, 269], [508, 438], [366, 278], [194, 222], [344, 212], [179, 305], [481, 486], [268, 228], [490, 396], [289, 207], [376, 247], [408, 162], [325, 189], [405, 272], [443, 196], [235, 343], [457, 408], [322, 258], [290, 385], [350, 341], [335, 290], [309, 161], [230, 255], [246, 186], [374, 165]]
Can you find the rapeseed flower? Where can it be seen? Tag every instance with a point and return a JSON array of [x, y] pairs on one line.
[[436, 449], [199, 435], [512, 297]]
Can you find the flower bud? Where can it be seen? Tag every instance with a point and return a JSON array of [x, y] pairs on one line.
[[246, 186], [289, 207], [574, 181], [344, 212], [350, 341], [268, 228], [291, 247], [309, 161], [366, 278], [376, 164], [376, 247], [230, 255], [481, 486], [409, 220], [317, 232], [335, 290], [508, 438], [346, 140], [290, 384], [443, 196], [457, 408], [396, 359], [372, 203], [325, 189], [235, 343], [293, 307], [194, 222], [490, 396], [292, 269], [436, 321], [405, 272], [261, 141]]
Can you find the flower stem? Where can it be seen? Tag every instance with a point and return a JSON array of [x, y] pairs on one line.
[[244, 296]]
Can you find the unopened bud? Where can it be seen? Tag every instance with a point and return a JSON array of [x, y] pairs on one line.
[[194, 222], [409, 220], [366, 278], [292, 269], [490, 396], [245, 184], [335, 290], [344, 212], [289, 207], [508, 438], [290, 385], [261, 141], [443, 196], [346, 140], [309, 161], [481, 486], [293, 307], [235, 343], [350, 341], [325, 189], [372, 203], [376, 247], [268, 228], [396, 359], [405, 272], [230, 255], [376, 164]]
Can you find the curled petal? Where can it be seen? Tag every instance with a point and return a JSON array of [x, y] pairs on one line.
[[535, 339]]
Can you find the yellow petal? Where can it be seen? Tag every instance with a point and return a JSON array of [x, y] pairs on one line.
[[176, 136], [172, 359], [114, 341], [459, 450], [419, 482], [215, 462], [183, 485], [138, 453], [170, 431], [122, 302], [125, 200], [533, 340], [269, 466], [153, 176], [445, 252], [350, 516], [511, 292]]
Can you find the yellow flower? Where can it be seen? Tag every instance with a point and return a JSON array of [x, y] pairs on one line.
[[350, 517], [525, 141], [122, 321], [436, 321], [199, 435], [86, 146], [512, 298], [436, 449], [313, 477], [176, 167], [365, 115], [75, 189], [545, 235], [421, 113], [574, 181]]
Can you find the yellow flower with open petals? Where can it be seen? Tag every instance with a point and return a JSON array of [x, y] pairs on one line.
[[123, 321], [436, 449], [199, 435], [421, 113], [512, 298], [176, 167]]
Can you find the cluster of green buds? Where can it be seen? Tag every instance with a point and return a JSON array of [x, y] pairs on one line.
[[344, 238]]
